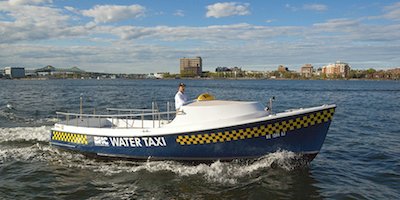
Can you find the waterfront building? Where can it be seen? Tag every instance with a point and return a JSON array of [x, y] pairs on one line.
[[30, 72], [222, 69], [306, 70], [338, 68], [255, 74], [191, 66], [318, 71], [160, 75], [14, 72], [234, 72], [227, 69], [237, 69], [282, 68]]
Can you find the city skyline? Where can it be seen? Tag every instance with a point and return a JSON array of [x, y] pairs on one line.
[[151, 36]]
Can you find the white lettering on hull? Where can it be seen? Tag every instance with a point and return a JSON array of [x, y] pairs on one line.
[[130, 141], [275, 135]]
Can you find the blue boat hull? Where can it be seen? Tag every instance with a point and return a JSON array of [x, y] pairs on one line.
[[303, 134]]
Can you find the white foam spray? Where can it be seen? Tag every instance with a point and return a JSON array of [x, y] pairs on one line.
[[25, 133], [219, 172]]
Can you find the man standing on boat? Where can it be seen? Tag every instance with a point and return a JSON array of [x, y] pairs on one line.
[[180, 97]]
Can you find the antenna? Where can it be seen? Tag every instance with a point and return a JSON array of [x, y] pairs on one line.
[[81, 104]]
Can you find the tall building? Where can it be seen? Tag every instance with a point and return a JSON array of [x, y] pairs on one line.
[[338, 68], [191, 66], [306, 70]]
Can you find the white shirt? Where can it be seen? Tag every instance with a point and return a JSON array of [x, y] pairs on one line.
[[180, 99]]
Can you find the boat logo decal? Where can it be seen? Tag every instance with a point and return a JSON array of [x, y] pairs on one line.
[[268, 131], [69, 137]]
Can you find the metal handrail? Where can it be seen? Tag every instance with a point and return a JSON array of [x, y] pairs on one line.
[[128, 116], [118, 115], [130, 110]]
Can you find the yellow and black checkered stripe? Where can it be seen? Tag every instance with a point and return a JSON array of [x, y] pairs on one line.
[[69, 137], [258, 131]]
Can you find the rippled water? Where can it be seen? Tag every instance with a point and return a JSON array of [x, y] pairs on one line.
[[359, 159]]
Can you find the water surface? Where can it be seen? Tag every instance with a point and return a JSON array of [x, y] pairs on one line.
[[359, 159]]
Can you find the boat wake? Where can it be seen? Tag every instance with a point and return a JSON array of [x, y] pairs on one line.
[[229, 172], [19, 118], [25, 134], [30, 144]]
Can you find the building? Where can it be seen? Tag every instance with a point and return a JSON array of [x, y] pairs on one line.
[[306, 70], [14, 72], [337, 69], [160, 75], [191, 66], [222, 69], [255, 74], [230, 72], [282, 68], [30, 73]]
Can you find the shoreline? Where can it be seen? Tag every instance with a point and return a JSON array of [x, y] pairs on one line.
[[272, 79]]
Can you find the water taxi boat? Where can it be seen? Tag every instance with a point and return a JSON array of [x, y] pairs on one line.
[[202, 130]]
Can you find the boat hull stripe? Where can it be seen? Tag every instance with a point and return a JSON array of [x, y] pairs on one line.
[[263, 130], [69, 137]]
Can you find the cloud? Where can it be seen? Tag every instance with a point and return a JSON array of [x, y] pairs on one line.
[[227, 9], [290, 7], [233, 32], [393, 12], [117, 58], [337, 25], [114, 13], [312, 7], [354, 32], [72, 9], [315, 7], [128, 57], [179, 13], [95, 46], [269, 20], [28, 2], [33, 22]]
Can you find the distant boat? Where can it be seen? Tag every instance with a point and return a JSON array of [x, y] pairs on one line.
[[203, 130]]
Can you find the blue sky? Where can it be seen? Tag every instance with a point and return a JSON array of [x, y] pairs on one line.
[[150, 36]]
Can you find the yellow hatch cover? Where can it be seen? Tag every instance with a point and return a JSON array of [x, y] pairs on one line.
[[205, 97]]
